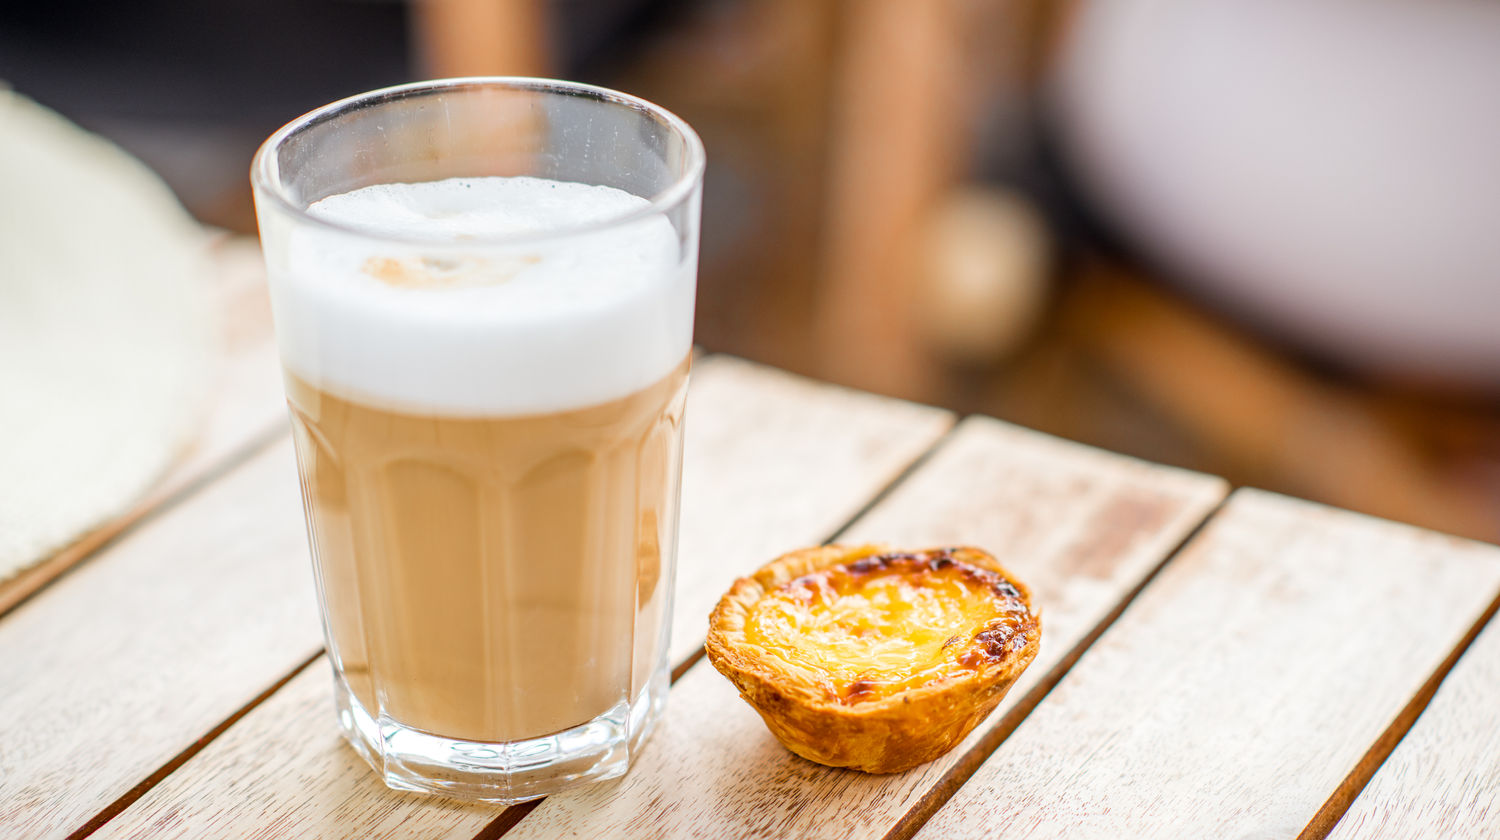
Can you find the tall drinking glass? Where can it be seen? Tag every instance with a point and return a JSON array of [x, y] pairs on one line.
[[483, 295]]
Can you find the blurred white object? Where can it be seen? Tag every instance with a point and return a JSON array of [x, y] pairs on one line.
[[105, 331], [1328, 169], [985, 255]]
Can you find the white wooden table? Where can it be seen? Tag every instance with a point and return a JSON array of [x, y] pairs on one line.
[[1214, 664]]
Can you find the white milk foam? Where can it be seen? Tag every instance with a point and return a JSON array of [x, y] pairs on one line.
[[465, 328]]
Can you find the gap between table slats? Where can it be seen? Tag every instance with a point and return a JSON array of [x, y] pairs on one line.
[[1244, 685], [823, 450], [690, 658], [309, 695], [181, 483], [967, 764], [1440, 775], [1082, 527], [1000, 726], [128, 660], [513, 815], [114, 808]]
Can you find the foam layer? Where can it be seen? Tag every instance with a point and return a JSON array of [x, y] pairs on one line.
[[454, 327]]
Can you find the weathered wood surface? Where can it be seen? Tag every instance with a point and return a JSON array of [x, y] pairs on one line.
[[772, 461], [285, 772], [777, 462], [1443, 780], [112, 671], [1082, 527], [244, 408], [1254, 678], [1241, 688]]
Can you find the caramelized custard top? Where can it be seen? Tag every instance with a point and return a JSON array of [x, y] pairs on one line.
[[883, 624]]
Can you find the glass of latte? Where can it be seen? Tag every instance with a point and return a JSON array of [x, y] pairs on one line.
[[483, 296]]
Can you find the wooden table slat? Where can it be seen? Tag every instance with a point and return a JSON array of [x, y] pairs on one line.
[[1081, 526], [1237, 692], [118, 667], [244, 408], [1443, 780], [282, 770], [777, 462]]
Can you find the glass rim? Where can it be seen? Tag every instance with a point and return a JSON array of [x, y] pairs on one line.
[[266, 180]]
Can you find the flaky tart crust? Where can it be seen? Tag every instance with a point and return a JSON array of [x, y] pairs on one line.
[[900, 723]]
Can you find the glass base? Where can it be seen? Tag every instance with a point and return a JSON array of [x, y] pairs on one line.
[[504, 773]]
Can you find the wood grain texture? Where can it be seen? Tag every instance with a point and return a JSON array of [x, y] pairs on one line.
[[245, 407], [127, 661], [772, 461], [775, 462], [1080, 526], [292, 779], [1443, 780], [1237, 692]]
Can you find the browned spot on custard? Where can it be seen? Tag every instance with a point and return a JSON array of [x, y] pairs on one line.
[[859, 690], [1000, 638], [936, 560]]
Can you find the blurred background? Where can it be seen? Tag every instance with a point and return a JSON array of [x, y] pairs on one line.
[[1258, 238]]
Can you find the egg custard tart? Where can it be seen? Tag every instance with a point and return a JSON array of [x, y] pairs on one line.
[[879, 660]]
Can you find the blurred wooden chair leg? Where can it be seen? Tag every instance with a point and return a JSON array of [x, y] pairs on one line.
[[480, 37], [893, 149], [1260, 415], [909, 85]]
